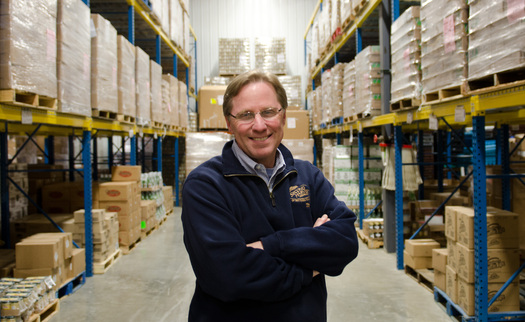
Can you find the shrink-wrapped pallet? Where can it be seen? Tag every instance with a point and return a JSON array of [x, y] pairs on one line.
[[74, 57], [142, 82], [302, 149], [183, 105], [335, 16], [368, 81], [443, 45], [336, 84], [270, 55], [216, 80], [346, 12], [349, 100], [314, 42], [234, 56], [186, 33], [166, 99], [325, 36], [202, 146], [292, 85], [28, 46], [496, 37], [173, 103], [315, 105], [103, 65], [176, 22], [157, 118], [126, 77], [405, 46], [327, 99]]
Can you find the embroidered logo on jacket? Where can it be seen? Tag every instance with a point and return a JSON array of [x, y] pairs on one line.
[[300, 194]]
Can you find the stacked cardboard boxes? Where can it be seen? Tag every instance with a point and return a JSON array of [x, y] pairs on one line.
[[17, 201], [270, 55], [105, 229], [234, 56], [368, 81], [168, 198], [157, 116], [147, 213], [63, 197], [439, 264], [405, 43], [418, 253], [73, 57], [122, 195], [211, 98], [126, 77], [349, 107], [292, 86], [336, 87], [503, 257], [142, 83], [49, 254]]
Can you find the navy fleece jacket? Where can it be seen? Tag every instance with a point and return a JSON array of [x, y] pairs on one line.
[[225, 207]]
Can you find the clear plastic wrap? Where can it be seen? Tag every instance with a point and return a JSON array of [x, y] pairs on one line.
[[301, 149], [73, 57], [156, 92], [217, 80], [315, 44], [349, 100], [103, 65], [496, 37], [316, 107], [202, 146], [183, 105], [28, 55], [406, 56], [326, 80], [166, 99], [142, 82], [368, 81], [126, 77], [270, 55], [186, 34], [335, 15], [346, 10], [292, 85], [234, 56], [173, 104], [336, 87], [443, 44], [176, 22]]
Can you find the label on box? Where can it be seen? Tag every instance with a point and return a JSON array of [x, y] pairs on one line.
[[291, 122]]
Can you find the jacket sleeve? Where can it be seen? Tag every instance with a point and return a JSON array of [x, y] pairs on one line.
[[224, 266], [327, 248]]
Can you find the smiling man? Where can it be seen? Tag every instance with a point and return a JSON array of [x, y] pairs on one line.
[[262, 229]]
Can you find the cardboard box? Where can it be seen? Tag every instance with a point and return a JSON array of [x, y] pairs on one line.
[[66, 239], [121, 191], [439, 259], [37, 254], [148, 208], [502, 263], [417, 262], [126, 173], [440, 280], [508, 300], [78, 261], [450, 222], [421, 247], [29, 272], [96, 215], [211, 115], [452, 254], [452, 284], [125, 223], [502, 228], [297, 125]]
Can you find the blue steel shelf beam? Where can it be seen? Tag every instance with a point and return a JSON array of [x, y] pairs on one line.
[[133, 152], [71, 159], [505, 166], [88, 217], [49, 146], [374, 209], [111, 156], [398, 145], [176, 171], [4, 189], [361, 161]]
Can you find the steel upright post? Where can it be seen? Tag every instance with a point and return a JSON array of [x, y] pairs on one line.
[[505, 166], [480, 218], [177, 171], [398, 138], [4, 188], [88, 217], [361, 179]]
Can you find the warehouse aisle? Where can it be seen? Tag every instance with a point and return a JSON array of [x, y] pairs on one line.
[[155, 283]]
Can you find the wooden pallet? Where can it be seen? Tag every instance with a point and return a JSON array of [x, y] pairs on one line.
[[126, 118], [445, 94], [102, 267], [47, 313], [358, 6], [347, 22], [405, 104], [371, 243], [27, 99], [104, 114], [425, 277], [157, 124], [72, 285], [144, 234], [127, 249], [497, 81]]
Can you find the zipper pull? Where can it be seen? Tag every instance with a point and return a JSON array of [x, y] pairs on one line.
[[273, 199]]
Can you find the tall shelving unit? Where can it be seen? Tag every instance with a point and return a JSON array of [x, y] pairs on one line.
[[23, 119], [499, 106]]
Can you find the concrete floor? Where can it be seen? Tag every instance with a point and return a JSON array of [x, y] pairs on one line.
[[155, 283]]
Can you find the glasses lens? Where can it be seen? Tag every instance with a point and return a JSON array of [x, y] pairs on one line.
[[245, 116], [269, 113]]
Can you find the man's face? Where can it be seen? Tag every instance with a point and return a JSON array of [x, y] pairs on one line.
[[260, 138]]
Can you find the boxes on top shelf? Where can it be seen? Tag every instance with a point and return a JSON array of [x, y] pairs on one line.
[[157, 118], [368, 81], [234, 56], [270, 55], [143, 92], [292, 86], [28, 51], [73, 57], [104, 65], [126, 78]]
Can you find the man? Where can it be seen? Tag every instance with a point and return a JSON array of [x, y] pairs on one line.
[[261, 228]]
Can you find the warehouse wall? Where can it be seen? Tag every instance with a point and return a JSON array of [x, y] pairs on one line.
[[216, 19]]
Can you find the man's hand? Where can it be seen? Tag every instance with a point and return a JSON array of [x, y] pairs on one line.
[[322, 220], [257, 245]]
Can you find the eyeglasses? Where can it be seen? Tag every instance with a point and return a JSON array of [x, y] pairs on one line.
[[248, 117]]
